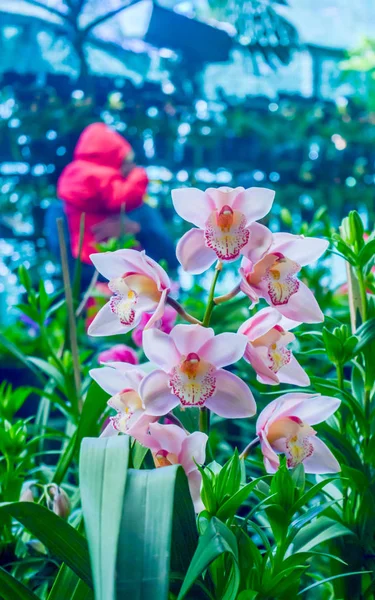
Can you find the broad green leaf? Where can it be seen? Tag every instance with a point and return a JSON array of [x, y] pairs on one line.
[[11, 589], [311, 493], [103, 470], [365, 333], [317, 532], [139, 523], [68, 586], [157, 530], [57, 535], [216, 541]]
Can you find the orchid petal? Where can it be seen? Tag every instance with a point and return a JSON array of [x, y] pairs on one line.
[[160, 349], [195, 485], [138, 427], [255, 203], [223, 196], [260, 241], [156, 394], [317, 409], [303, 250], [193, 254], [107, 323], [257, 357], [281, 407], [193, 450], [224, 349], [109, 431], [192, 205], [159, 312], [167, 437], [301, 306], [114, 381], [293, 373], [260, 323], [321, 461], [191, 338], [232, 399]]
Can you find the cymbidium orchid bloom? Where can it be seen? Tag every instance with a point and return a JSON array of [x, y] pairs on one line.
[[122, 381], [225, 219], [138, 285], [268, 334], [171, 445], [190, 361], [273, 277], [285, 427]]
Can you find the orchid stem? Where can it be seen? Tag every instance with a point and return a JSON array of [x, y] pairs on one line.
[[204, 420], [204, 413], [182, 312], [220, 299], [211, 302], [253, 444], [363, 294]]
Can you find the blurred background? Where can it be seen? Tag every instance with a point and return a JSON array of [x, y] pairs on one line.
[[271, 93]]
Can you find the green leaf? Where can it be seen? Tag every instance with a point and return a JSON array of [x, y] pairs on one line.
[[68, 586], [57, 535], [317, 532], [367, 253], [103, 469], [230, 507], [49, 370], [229, 478], [11, 589], [321, 581], [137, 535], [138, 454], [365, 333], [12, 348], [216, 541]]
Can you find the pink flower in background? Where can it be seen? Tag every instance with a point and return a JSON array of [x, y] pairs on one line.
[[284, 427], [165, 324], [122, 382], [225, 220], [273, 277], [190, 361], [172, 445], [138, 285], [268, 337], [119, 353]]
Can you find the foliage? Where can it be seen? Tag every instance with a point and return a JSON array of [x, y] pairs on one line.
[[259, 536]]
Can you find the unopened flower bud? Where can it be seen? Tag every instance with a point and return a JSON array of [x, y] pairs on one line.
[[27, 494], [60, 503]]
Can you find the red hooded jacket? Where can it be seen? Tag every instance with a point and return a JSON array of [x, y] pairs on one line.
[[93, 184]]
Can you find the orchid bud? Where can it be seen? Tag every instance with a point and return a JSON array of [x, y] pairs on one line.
[[60, 503], [27, 493]]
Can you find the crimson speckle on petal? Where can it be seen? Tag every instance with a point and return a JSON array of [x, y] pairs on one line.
[[193, 381], [226, 233]]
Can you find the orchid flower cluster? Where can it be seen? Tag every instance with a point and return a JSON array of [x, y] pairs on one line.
[[187, 365]]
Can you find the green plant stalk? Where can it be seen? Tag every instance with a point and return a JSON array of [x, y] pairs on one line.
[[204, 413], [71, 315], [363, 294]]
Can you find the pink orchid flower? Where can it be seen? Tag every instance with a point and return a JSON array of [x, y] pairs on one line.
[[172, 445], [165, 324], [268, 334], [284, 427], [273, 277], [191, 358], [225, 220], [119, 353], [138, 285], [122, 382]]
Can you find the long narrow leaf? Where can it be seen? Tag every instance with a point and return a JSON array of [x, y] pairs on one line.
[[59, 537], [68, 586], [317, 532], [11, 589], [216, 541]]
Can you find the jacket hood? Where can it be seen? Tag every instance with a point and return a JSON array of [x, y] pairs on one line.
[[100, 144]]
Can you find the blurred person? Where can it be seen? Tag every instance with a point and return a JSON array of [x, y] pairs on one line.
[[101, 182]]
